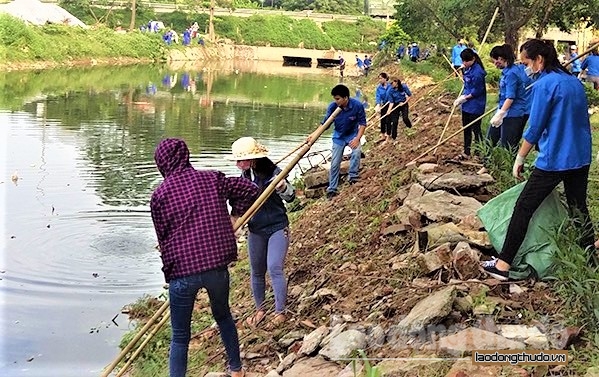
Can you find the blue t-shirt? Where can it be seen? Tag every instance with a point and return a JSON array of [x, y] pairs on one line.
[[381, 95], [512, 87], [347, 122], [591, 64], [398, 95], [576, 64], [474, 84], [559, 122], [456, 59]]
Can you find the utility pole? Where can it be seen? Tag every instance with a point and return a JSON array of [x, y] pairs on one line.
[[211, 36]]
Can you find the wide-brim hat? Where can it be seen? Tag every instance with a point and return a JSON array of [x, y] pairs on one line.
[[247, 148]]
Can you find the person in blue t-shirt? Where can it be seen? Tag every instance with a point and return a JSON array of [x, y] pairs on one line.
[[367, 64], [473, 100], [401, 51], [360, 65], [591, 65], [414, 52], [508, 122], [559, 123], [399, 95], [456, 59], [575, 66], [341, 65], [382, 102], [349, 128]]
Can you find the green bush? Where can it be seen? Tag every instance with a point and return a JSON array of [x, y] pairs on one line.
[[22, 42], [592, 94]]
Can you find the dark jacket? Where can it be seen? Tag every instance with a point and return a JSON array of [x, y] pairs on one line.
[[272, 216]]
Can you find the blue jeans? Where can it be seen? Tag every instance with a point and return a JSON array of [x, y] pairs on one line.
[[354, 165], [182, 295], [268, 253]]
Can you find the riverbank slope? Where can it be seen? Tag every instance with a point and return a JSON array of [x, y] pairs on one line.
[[366, 271]]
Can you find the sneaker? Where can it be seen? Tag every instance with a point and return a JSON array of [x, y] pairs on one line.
[[489, 263], [489, 267], [332, 194], [353, 181]]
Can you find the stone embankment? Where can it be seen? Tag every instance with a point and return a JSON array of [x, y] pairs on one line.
[[440, 331]]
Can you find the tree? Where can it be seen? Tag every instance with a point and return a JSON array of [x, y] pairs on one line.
[[423, 19], [133, 10]]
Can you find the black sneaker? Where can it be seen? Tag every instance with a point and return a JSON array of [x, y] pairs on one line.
[[332, 194], [353, 181], [495, 273]]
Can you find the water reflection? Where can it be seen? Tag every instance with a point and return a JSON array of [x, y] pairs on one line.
[[79, 242]]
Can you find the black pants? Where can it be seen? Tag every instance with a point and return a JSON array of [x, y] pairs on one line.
[[393, 123], [539, 186], [467, 118], [508, 135], [384, 121]]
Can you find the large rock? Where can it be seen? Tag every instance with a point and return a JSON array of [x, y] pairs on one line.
[[441, 206], [343, 345], [312, 366], [466, 261], [454, 181], [318, 178], [465, 341], [428, 311], [312, 341]]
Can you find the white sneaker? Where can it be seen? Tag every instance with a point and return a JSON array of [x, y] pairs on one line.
[[489, 263]]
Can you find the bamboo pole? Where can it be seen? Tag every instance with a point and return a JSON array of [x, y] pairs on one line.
[[453, 107], [450, 137], [290, 153], [147, 339], [283, 174], [586, 52], [449, 77], [238, 224], [304, 143], [455, 71], [135, 339], [462, 90], [482, 43]]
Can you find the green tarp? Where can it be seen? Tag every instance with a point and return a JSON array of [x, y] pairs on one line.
[[535, 256]]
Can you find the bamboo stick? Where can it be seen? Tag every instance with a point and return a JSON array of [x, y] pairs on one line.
[[149, 337], [482, 43], [462, 90], [238, 224], [450, 137], [283, 174], [135, 339], [453, 107]]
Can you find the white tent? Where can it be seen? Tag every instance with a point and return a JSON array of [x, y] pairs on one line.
[[38, 13]]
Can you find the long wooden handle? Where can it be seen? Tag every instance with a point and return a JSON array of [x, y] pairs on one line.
[[283, 174]]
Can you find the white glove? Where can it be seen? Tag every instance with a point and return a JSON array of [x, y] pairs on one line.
[[518, 167], [377, 108], [460, 100], [281, 186], [497, 119]]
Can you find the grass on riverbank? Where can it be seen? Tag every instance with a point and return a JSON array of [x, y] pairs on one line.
[[21, 42]]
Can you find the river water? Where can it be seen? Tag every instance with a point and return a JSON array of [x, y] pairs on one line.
[[76, 175]]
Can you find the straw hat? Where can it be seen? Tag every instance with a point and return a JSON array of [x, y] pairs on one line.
[[247, 148]]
